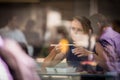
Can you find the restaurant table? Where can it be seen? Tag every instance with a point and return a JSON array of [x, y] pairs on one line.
[[76, 75], [72, 75]]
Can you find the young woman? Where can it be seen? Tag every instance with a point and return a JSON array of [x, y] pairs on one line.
[[81, 34]]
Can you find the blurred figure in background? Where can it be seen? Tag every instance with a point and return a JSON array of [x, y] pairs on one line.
[[12, 31], [33, 37], [5, 73], [81, 34], [21, 66]]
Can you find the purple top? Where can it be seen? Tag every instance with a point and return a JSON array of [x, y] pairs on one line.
[[110, 40], [4, 70]]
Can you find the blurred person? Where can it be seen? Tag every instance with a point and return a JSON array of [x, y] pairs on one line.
[[5, 73], [33, 37], [4, 70], [15, 64], [12, 31], [22, 66], [81, 34], [107, 49]]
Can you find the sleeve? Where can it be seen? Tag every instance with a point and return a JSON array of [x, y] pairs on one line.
[[110, 54]]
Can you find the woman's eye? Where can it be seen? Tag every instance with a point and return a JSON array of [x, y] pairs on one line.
[[73, 28], [79, 30]]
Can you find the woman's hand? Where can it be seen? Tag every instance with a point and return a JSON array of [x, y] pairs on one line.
[[80, 51], [61, 48]]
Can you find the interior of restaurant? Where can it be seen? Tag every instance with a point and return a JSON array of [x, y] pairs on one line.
[[39, 21]]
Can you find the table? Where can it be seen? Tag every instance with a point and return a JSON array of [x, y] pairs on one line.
[[76, 75], [73, 75]]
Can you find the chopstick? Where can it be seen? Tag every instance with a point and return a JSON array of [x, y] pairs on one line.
[[62, 44]]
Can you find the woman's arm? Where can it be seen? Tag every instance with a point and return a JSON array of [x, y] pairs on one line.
[[57, 54], [100, 57], [53, 58]]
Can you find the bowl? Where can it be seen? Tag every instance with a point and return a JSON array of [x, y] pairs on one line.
[[50, 70], [66, 70]]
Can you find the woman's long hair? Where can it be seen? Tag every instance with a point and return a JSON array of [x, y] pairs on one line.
[[86, 27]]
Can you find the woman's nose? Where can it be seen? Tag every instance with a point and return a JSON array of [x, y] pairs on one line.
[[76, 31]]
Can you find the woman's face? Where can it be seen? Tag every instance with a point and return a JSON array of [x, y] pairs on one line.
[[76, 29], [77, 33]]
